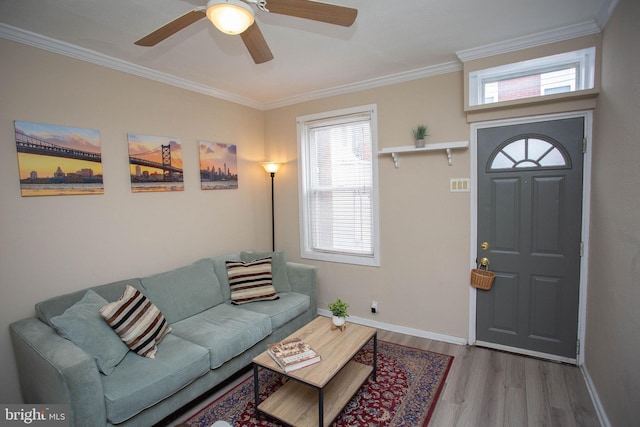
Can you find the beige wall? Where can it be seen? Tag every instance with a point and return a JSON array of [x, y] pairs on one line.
[[50, 245], [422, 282], [613, 314]]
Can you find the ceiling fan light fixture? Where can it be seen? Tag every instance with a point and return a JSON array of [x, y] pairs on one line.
[[230, 16]]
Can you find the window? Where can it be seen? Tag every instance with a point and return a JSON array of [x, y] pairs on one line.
[[529, 151], [562, 73], [339, 186]]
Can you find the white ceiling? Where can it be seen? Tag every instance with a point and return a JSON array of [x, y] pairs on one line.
[[390, 41]]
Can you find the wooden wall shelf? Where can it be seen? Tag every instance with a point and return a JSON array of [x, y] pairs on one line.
[[448, 147]]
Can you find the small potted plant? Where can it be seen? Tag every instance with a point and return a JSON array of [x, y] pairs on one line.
[[338, 309], [419, 133]]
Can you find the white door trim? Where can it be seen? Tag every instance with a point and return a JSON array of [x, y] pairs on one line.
[[586, 203]]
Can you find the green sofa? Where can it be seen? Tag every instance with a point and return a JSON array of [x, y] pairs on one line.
[[68, 354]]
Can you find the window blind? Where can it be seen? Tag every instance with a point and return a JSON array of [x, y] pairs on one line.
[[339, 192]]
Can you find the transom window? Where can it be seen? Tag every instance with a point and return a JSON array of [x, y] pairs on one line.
[[550, 75], [529, 152]]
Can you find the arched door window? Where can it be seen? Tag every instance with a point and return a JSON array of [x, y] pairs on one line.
[[529, 151]]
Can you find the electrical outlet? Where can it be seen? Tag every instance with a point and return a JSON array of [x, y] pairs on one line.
[[374, 307]]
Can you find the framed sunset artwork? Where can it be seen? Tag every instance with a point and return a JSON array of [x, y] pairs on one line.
[[155, 163], [58, 160], [218, 166]]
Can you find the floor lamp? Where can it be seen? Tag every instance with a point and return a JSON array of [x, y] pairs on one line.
[[272, 168]]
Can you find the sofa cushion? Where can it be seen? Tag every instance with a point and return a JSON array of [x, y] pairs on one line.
[[278, 267], [289, 306], [139, 383], [82, 325], [220, 267], [185, 291], [55, 306], [225, 330], [137, 321], [251, 281]]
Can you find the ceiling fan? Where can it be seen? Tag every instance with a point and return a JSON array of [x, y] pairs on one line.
[[242, 20]]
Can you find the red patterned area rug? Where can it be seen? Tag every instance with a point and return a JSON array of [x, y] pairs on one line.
[[406, 391]]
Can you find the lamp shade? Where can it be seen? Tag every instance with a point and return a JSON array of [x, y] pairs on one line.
[[230, 16], [271, 167]]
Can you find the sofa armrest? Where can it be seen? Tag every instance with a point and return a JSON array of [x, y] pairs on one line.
[[303, 278], [54, 370]]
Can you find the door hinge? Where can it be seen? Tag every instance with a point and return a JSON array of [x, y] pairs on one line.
[[578, 347], [581, 249], [584, 145]]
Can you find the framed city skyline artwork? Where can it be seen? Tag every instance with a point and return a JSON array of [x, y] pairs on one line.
[[58, 160], [155, 163], [218, 166]]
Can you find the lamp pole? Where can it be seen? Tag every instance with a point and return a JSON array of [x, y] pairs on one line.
[[272, 168], [273, 217]]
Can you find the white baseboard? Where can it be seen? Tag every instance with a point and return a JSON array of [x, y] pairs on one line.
[[401, 329], [595, 398]]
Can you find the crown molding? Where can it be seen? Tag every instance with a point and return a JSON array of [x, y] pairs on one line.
[[420, 73], [67, 49], [52, 45], [604, 13], [533, 40]]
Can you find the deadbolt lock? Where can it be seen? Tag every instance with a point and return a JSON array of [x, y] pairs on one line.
[[484, 246]]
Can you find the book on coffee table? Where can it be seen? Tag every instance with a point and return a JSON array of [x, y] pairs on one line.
[[293, 354]]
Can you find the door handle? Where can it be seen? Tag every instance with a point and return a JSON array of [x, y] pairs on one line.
[[484, 262]]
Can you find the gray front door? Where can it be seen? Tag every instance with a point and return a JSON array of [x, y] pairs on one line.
[[529, 229]]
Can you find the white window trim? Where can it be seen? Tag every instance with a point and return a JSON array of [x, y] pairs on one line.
[[305, 248]]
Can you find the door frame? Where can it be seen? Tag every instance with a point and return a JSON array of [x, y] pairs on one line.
[[586, 203]]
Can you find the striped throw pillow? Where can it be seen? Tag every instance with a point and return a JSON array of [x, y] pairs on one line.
[[251, 281], [137, 321]]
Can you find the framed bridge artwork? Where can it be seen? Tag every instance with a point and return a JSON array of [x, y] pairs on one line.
[[58, 160], [155, 163], [218, 166]]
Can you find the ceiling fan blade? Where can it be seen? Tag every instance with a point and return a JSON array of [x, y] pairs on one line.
[[172, 27], [256, 44], [316, 11]]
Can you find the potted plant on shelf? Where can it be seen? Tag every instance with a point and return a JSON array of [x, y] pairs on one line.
[[419, 134], [338, 309]]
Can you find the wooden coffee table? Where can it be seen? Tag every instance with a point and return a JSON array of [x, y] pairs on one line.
[[316, 394]]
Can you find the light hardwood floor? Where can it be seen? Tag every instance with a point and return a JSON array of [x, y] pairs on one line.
[[487, 388]]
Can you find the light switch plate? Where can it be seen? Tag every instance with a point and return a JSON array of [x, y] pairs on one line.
[[458, 185]]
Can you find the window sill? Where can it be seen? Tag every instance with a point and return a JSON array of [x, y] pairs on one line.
[[341, 258], [537, 100]]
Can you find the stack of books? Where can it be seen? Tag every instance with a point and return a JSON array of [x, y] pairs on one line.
[[293, 354]]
